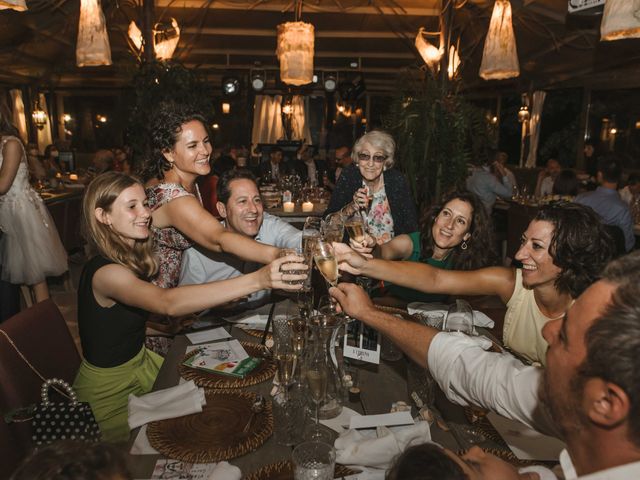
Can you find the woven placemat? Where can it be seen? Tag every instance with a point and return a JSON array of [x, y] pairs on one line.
[[256, 333], [284, 471], [215, 434], [264, 371]]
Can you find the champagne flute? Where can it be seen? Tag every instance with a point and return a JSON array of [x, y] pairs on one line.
[[298, 335], [356, 227], [285, 359], [317, 376], [326, 262]]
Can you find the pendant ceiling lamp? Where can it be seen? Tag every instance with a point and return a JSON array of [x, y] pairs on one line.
[[19, 5], [295, 50], [135, 35], [166, 39], [500, 57], [621, 19], [92, 48], [429, 53]]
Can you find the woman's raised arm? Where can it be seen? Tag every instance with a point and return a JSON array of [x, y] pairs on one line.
[[191, 219]]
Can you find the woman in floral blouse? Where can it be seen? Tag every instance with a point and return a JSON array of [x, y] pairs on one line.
[[372, 184], [179, 153]]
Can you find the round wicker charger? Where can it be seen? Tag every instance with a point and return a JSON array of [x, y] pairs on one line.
[[284, 471], [256, 333], [265, 370], [215, 434]]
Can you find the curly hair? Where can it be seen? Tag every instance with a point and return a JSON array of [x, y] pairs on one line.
[[74, 460], [425, 461], [480, 249], [101, 193], [580, 245], [165, 125]]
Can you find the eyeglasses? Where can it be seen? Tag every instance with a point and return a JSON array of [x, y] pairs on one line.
[[365, 157]]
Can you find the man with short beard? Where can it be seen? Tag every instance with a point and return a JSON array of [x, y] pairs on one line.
[[240, 206], [591, 386]]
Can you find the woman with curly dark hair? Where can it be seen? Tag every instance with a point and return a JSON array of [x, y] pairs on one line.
[[178, 153], [455, 234], [563, 251]]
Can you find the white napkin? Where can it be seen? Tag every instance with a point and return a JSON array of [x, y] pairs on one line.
[[225, 471], [178, 401], [356, 447], [479, 318]]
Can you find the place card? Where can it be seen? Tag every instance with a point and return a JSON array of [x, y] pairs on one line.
[[208, 335], [361, 342], [385, 419]]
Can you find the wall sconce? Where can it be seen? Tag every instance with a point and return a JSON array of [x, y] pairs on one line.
[[39, 117], [524, 115], [215, 126], [230, 86], [226, 108], [287, 109], [454, 63], [101, 118], [66, 118]]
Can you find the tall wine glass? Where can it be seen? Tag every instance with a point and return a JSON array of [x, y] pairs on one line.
[[356, 227], [327, 265], [316, 375]]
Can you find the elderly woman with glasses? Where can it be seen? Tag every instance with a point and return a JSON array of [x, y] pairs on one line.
[[373, 186]]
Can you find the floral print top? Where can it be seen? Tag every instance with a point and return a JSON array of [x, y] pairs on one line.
[[169, 243], [379, 219]]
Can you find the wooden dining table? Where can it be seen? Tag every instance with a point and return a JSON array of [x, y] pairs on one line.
[[381, 385]]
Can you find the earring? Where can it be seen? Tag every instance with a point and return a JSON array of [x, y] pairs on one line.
[[464, 245], [171, 163]]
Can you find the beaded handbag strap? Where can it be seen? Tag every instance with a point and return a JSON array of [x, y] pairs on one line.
[[15, 347]]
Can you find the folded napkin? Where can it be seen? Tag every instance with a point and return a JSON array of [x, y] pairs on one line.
[[479, 318], [172, 402], [378, 449], [225, 471]]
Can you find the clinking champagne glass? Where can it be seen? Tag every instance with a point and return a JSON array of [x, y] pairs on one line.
[[285, 359], [326, 263], [356, 227], [459, 318]]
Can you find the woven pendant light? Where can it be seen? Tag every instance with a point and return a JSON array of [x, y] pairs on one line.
[[429, 53], [500, 57], [295, 52], [19, 5], [167, 40], [621, 19], [92, 48], [454, 63]]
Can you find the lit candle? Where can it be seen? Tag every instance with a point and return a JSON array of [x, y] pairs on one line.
[[73, 177], [288, 206], [307, 207]]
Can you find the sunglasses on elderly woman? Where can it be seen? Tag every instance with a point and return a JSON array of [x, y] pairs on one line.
[[365, 157]]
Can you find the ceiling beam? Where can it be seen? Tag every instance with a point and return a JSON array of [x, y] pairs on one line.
[[250, 66], [318, 54], [308, 8], [267, 32]]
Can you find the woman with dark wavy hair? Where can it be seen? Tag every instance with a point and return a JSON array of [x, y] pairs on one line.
[[455, 234], [178, 153], [563, 251]]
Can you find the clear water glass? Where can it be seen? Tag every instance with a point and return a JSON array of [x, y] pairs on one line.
[[314, 461], [459, 318]]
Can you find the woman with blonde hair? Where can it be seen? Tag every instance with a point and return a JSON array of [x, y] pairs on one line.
[[372, 185], [115, 296]]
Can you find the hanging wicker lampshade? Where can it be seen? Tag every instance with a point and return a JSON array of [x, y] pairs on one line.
[[500, 57], [19, 5], [295, 52], [92, 48], [166, 40], [621, 19], [429, 53], [135, 35]]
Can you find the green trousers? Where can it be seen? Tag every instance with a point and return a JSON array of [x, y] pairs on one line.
[[107, 390]]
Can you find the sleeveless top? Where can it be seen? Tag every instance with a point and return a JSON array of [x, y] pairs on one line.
[[110, 336], [523, 324], [169, 242]]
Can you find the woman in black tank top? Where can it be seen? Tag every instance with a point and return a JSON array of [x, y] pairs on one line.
[[115, 297]]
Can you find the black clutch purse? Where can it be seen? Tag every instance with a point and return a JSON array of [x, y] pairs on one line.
[[63, 420]]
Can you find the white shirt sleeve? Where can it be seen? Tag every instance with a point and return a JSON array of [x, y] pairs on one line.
[[467, 374]]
